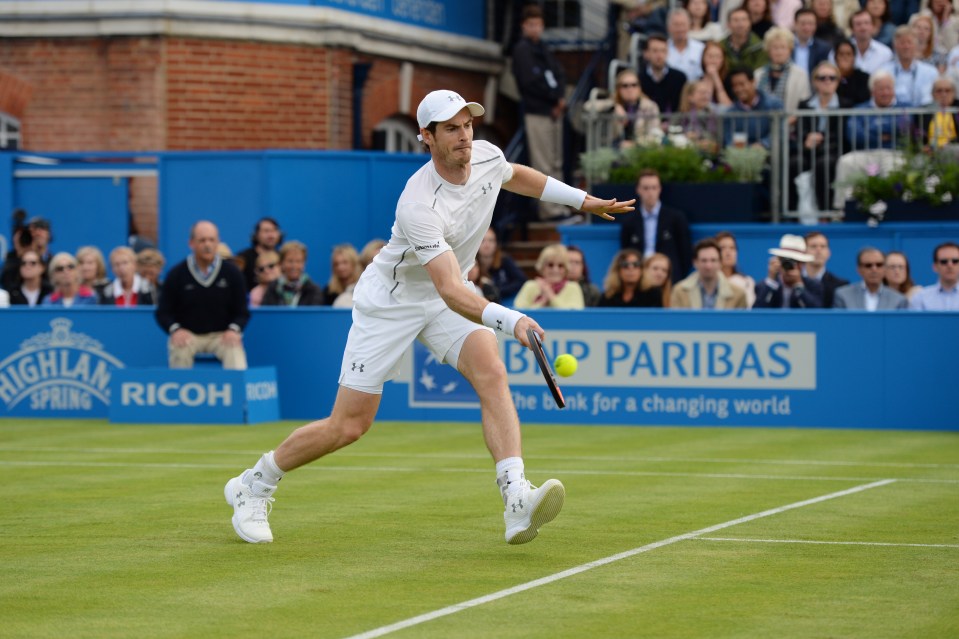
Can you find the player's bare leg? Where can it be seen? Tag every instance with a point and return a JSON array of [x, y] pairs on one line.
[[251, 493], [527, 507]]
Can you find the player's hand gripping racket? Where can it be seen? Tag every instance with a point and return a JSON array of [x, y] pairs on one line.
[[537, 346]]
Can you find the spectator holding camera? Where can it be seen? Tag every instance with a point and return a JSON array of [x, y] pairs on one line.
[[32, 235], [785, 286]]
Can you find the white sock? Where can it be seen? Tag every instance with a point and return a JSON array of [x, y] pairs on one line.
[[265, 471], [509, 471]]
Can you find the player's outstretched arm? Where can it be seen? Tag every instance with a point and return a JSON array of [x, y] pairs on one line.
[[530, 182]]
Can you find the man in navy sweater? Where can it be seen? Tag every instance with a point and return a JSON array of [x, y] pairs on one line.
[[203, 304]]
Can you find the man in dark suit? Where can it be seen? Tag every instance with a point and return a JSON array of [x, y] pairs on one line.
[[818, 246], [785, 286], [809, 50], [870, 294], [655, 228]]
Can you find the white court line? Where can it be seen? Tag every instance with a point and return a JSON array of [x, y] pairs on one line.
[[827, 543], [485, 456], [26, 463], [472, 603]]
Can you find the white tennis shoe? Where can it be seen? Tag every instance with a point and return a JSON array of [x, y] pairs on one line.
[[529, 507], [251, 507]]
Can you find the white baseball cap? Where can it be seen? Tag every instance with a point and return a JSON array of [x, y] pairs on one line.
[[792, 247], [440, 106]]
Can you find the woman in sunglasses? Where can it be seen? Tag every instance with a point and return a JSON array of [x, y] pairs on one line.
[[267, 271], [33, 287], [67, 290], [552, 288], [622, 283]]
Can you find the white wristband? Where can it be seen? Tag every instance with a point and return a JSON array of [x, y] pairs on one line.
[[502, 319], [560, 193]]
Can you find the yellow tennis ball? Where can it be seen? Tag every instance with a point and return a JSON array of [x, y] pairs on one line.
[[565, 365]]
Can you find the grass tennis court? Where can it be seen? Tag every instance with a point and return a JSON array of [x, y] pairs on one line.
[[122, 531]]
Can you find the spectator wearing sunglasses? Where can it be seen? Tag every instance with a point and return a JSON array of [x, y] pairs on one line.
[[33, 286], [67, 290], [267, 270], [552, 288], [870, 294], [785, 286], [294, 287], [944, 294], [622, 286]]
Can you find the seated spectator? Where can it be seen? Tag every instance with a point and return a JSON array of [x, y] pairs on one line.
[[924, 27], [944, 294], [93, 269], [808, 50], [941, 127], [821, 137], [33, 286], [67, 291], [729, 258], [853, 82], [294, 287], [749, 100], [715, 70], [552, 289], [783, 12], [656, 228], [267, 236], [345, 271], [483, 283], [579, 273], [621, 288], [128, 289], [945, 13], [203, 304], [706, 287], [370, 250], [870, 53], [742, 47], [504, 272], [702, 27], [874, 138], [660, 82], [897, 274], [267, 272], [760, 17], [683, 53], [782, 78], [657, 276], [636, 117], [827, 26], [30, 235], [912, 78], [785, 286], [882, 26], [869, 294], [817, 246], [699, 120], [150, 265]]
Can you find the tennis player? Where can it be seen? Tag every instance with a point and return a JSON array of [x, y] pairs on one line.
[[417, 288]]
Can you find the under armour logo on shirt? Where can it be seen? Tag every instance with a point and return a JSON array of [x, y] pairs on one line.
[[489, 186]]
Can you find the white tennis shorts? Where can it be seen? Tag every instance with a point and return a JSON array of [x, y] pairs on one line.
[[383, 330]]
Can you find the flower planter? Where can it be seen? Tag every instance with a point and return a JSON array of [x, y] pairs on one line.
[[703, 203], [899, 211]]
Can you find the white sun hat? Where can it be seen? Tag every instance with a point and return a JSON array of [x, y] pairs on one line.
[[792, 247], [440, 106]]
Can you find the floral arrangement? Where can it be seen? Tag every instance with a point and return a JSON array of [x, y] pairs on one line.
[[930, 177]]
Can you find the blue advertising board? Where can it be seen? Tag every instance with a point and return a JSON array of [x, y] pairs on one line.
[[814, 368]]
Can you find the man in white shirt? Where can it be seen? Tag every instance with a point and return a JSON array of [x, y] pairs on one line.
[[944, 294], [870, 54], [914, 78], [417, 288], [869, 294], [684, 54]]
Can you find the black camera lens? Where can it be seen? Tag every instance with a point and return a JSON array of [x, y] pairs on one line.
[[787, 263]]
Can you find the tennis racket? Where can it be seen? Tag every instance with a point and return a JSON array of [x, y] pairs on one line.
[[537, 346]]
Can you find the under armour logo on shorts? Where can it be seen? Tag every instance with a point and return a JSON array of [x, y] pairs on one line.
[[358, 367]]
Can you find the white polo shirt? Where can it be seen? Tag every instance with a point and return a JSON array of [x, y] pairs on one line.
[[876, 55], [689, 60], [434, 216]]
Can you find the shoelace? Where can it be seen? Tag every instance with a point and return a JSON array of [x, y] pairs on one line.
[[261, 508]]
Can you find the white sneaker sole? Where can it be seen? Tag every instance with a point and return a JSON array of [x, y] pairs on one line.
[[228, 491], [554, 495]]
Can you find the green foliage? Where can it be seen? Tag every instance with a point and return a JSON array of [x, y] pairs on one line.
[[674, 163], [932, 178], [747, 163]]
